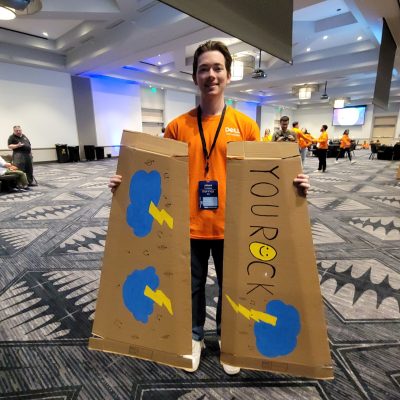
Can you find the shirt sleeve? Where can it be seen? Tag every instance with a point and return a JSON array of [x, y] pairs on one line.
[[11, 140], [171, 131], [254, 132]]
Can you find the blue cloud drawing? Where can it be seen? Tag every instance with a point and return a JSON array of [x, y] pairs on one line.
[[133, 293], [281, 339], [144, 188]]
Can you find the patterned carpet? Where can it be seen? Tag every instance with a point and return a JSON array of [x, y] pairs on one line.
[[51, 246]]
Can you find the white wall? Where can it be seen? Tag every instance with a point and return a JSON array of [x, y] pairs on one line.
[[248, 108], [41, 102], [117, 107], [313, 118], [267, 119], [152, 100], [177, 103]]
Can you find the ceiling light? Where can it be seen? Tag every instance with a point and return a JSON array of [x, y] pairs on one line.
[[308, 49], [7, 13], [325, 37], [237, 70], [340, 102], [359, 38], [305, 93], [45, 34], [159, 62]]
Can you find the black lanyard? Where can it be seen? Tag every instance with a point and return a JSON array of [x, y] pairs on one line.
[[207, 154]]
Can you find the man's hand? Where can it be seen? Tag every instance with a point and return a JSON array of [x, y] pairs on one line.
[[302, 182], [20, 144], [12, 167], [115, 181]]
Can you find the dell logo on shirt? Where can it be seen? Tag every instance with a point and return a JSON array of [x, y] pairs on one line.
[[232, 131]]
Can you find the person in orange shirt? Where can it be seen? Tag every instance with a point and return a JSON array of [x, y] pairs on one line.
[[322, 145], [207, 129], [303, 140], [345, 144]]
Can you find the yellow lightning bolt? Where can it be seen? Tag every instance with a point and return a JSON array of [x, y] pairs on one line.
[[253, 314], [160, 216], [159, 297]]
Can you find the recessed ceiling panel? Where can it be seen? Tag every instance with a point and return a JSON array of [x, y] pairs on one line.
[[266, 25]]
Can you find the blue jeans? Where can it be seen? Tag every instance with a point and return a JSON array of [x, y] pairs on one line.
[[200, 253], [303, 154]]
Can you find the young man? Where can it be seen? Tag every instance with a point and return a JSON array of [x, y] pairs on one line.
[[283, 134], [322, 144], [207, 129]]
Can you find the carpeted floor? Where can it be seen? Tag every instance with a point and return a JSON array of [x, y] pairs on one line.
[[51, 246]]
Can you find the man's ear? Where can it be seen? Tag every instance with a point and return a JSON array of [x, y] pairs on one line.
[[228, 78], [194, 79]]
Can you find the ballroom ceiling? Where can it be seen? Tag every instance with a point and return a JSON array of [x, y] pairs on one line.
[[145, 41]]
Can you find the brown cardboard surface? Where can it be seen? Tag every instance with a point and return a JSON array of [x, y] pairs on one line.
[[398, 173], [272, 313], [144, 304]]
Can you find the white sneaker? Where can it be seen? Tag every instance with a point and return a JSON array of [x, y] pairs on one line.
[[336, 162], [197, 347], [353, 162], [317, 170], [229, 369]]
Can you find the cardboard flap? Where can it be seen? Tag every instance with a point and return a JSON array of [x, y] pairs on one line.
[[153, 144], [144, 305], [262, 150]]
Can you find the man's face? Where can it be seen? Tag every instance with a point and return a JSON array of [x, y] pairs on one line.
[[284, 125], [18, 131], [211, 76]]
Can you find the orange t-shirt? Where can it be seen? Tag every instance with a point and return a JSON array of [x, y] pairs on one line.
[[302, 139], [345, 142], [323, 140], [210, 224]]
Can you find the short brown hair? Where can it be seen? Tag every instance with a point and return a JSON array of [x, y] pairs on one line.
[[212, 46], [284, 119]]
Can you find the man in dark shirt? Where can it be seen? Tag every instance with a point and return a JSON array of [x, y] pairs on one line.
[[283, 134], [22, 153]]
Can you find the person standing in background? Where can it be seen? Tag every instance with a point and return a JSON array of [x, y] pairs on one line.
[[345, 144], [303, 140], [283, 134], [322, 145], [22, 153], [267, 135]]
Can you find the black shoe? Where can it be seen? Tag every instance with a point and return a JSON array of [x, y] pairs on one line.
[[32, 184]]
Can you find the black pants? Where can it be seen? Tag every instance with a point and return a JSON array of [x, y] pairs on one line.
[[322, 159], [200, 253], [342, 152], [24, 162]]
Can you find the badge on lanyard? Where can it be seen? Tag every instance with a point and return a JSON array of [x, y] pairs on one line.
[[208, 195], [208, 190]]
